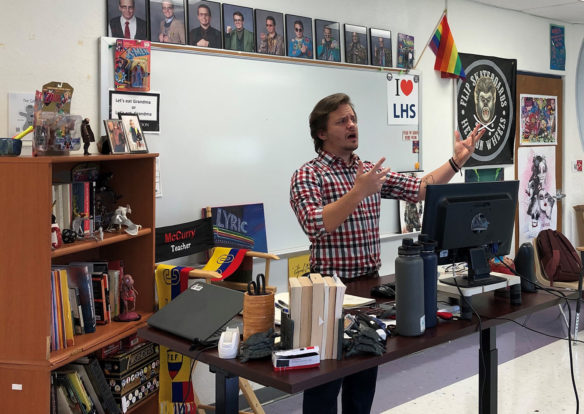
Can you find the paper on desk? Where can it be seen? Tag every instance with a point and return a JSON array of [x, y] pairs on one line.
[[349, 302]]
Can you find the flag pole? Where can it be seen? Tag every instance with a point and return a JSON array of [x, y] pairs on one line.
[[430, 39]]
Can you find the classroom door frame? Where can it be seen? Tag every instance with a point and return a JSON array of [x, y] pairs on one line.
[[541, 84]]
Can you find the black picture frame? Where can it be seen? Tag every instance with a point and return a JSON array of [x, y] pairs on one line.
[[327, 49], [116, 136], [212, 36], [356, 50], [113, 23], [248, 43], [299, 47], [380, 48], [173, 32], [261, 31], [135, 139], [405, 51]]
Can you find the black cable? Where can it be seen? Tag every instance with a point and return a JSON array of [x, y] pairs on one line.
[[533, 330]]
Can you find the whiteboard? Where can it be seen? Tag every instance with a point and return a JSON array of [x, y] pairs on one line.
[[233, 128]]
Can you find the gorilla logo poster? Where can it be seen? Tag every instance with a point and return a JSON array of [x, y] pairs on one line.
[[487, 97]]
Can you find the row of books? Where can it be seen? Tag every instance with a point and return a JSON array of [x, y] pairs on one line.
[[76, 199], [111, 385], [316, 306], [83, 295]]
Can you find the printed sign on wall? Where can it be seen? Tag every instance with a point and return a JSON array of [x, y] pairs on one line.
[[402, 99]]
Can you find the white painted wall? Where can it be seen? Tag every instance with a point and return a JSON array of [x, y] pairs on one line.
[[58, 41]]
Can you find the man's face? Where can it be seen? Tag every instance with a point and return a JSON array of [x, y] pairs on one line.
[[341, 137], [380, 41], [167, 9], [327, 34], [270, 26], [355, 38], [204, 17], [299, 31], [127, 8], [238, 22]]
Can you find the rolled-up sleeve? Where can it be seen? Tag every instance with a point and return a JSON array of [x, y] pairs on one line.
[[306, 201], [401, 187]]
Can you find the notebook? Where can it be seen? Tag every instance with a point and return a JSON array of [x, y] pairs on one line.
[[198, 313]]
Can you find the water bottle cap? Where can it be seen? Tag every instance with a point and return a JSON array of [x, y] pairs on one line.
[[407, 242], [423, 237], [429, 245], [409, 250]]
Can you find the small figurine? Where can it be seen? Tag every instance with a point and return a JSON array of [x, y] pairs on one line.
[[128, 294], [87, 135], [120, 219], [56, 239]]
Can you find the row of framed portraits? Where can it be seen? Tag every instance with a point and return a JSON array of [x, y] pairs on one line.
[[125, 135], [232, 27]]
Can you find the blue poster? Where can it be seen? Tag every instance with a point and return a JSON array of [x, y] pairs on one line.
[[557, 48], [242, 227]]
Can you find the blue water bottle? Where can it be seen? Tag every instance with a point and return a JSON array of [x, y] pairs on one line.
[[430, 259]]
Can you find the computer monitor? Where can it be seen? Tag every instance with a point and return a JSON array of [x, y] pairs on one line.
[[471, 222]]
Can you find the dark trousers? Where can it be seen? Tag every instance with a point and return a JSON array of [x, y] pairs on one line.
[[357, 396]]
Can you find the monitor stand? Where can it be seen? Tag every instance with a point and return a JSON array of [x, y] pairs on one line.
[[478, 272]]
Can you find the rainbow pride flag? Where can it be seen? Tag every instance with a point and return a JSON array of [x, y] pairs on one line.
[[447, 58]]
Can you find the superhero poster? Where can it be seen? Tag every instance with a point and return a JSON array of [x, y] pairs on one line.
[[487, 98], [538, 120]]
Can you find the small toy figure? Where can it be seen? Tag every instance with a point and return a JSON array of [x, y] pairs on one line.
[[128, 294], [56, 239], [87, 135], [120, 219]]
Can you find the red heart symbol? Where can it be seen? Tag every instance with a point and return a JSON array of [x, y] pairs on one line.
[[407, 86]]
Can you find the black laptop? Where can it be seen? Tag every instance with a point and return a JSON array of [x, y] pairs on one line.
[[199, 313]]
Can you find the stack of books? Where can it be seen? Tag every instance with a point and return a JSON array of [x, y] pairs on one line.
[[316, 306]]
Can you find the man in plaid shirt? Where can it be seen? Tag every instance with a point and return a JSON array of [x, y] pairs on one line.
[[336, 198]]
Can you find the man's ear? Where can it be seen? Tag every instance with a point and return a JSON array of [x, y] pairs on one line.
[[322, 135]]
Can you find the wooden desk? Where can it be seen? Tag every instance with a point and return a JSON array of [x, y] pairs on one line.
[[260, 371]]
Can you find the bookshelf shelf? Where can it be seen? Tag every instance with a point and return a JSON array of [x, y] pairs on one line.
[[26, 256]]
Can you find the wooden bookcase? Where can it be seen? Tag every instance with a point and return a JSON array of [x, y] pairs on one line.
[[26, 258]]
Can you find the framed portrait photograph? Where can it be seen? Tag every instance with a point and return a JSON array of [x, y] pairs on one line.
[[127, 19], [134, 135], [328, 40], [116, 136], [299, 36], [405, 51], [380, 47], [356, 44], [167, 21], [410, 216], [270, 32], [238, 28], [204, 19]]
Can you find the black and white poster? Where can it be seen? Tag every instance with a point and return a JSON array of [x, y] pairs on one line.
[[487, 97]]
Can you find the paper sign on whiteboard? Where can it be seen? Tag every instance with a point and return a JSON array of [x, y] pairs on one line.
[[402, 99]]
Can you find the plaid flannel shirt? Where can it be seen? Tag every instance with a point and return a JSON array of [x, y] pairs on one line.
[[352, 250]]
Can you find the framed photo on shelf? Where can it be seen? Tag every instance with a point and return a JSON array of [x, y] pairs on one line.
[[410, 216], [116, 136], [167, 21], [299, 36], [238, 28], [405, 51], [134, 136], [120, 14], [356, 44], [204, 19], [328, 40], [380, 46], [270, 32]]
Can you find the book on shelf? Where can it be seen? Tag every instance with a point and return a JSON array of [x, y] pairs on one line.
[[317, 309], [66, 306], [77, 397], [100, 297], [331, 322], [114, 292], [80, 277], [76, 312], [100, 384], [80, 369], [295, 302], [80, 201]]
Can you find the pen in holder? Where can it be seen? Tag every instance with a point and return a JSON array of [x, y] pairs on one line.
[[258, 313]]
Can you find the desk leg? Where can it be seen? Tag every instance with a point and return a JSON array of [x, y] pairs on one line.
[[226, 391], [488, 372]]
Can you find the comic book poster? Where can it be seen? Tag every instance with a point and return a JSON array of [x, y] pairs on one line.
[[537, 207], [132, 65], [405, 51], [410, 215], [538, 120]]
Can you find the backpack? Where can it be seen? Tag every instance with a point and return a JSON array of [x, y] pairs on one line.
[[557, 256]]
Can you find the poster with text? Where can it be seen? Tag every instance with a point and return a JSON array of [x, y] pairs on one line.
[[402, 99], [487, 97], [537, 207], [240, 227]]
